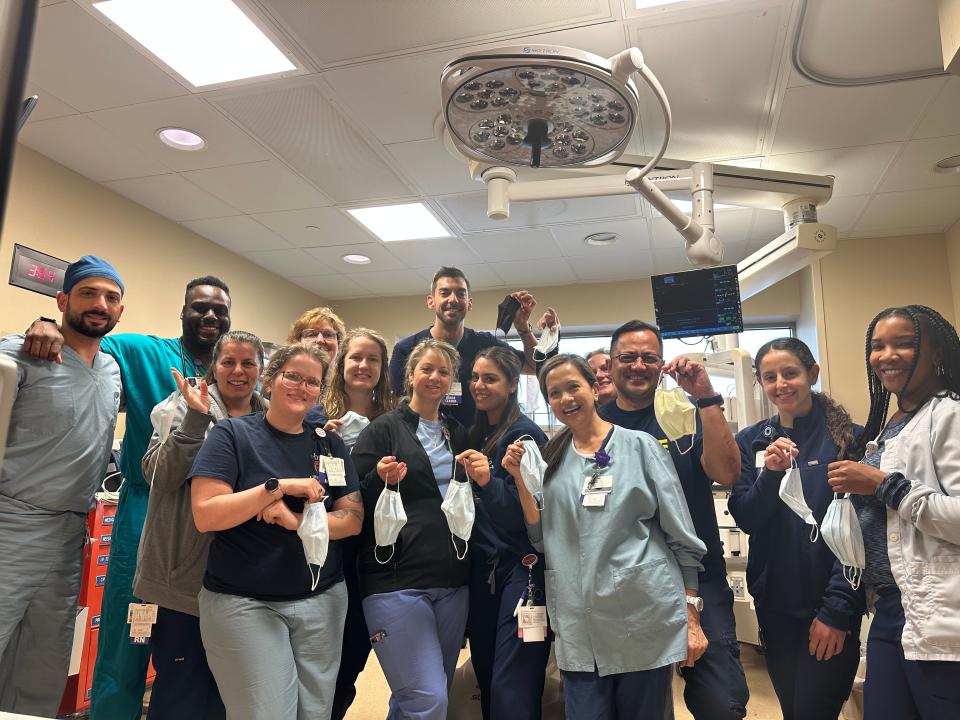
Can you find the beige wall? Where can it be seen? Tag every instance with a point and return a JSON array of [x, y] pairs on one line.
[[64, 214], [953, 263], [589, 304], [860, 279]]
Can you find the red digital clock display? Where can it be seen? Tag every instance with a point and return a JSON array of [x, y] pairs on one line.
[[37, 271]]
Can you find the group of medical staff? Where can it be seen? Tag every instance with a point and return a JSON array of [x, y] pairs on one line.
[[282, 516]]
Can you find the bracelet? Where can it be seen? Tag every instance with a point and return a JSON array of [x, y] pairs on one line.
[[709, 401]]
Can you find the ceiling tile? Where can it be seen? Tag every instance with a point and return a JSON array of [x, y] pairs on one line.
[[391, 282], [470, 211], [332, 258], [481, 277], [138, 124], [670, 260], [720, 94], [48, 105], [939, 207], [259, 187], [856, 170], [913, 168], [535, 273], [305, 129], [86, 65], [315, 227], [173, 197], [331, 287], [238, 234], [767, 225], [817, 117], [601, 267], [943, 116], [439, 251], [432, 168], [732, 226], [288, 263], [633, 234], [513, 245], [83, 146]]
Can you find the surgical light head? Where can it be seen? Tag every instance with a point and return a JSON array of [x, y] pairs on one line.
[[544, 106]]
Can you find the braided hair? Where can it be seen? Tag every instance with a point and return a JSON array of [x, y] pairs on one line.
[[943, 337], [838, 420]]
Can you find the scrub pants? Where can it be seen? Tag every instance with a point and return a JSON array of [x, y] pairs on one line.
[[900, 688], [623, 696], [509, 671], [356, 639], [274, 660], [184, 686], [808, 689], [40, 576], [417, 636], [120, 674], [716, 688]]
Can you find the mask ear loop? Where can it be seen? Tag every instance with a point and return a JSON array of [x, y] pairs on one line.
[[853, 575], [376, 557], [456, 550], [684, 452], [815, 530]]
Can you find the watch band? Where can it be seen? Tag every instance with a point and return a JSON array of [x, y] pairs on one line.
[[696, 601], [46, 319], [272, 486], [710, 401]]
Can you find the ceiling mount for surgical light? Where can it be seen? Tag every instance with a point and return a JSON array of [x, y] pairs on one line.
[[545, 106]]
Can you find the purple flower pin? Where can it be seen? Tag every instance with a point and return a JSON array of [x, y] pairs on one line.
[[601, 458]]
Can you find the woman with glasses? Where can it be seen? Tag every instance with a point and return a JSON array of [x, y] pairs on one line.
[[272, 623], [173, 555], [359, 392], [510, 672], [321, 326], [414, 563], [620, 549]]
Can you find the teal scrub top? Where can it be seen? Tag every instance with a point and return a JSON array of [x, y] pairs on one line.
[[145, 362]]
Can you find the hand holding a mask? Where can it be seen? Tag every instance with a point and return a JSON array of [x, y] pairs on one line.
[[779, 454], [476, 465], [521, 319], [691, 376]]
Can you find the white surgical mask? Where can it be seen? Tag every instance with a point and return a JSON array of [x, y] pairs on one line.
[[675, 414], [460, 511], [842, 534], [791, 492], [315, 535], [532, 469], [350, 426], [389, 517], [549, 339], [161, 417]]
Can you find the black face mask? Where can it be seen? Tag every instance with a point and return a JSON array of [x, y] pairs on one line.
[[506, 312]]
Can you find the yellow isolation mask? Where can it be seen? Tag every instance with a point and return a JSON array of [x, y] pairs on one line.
[[676, 415]]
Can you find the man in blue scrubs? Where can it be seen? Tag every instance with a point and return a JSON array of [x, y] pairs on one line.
[[62, 425], [145, 360], [716, 688]]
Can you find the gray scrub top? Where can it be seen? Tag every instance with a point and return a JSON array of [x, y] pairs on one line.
[[61, 428]]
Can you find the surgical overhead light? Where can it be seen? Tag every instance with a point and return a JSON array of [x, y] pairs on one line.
[[546, 106]]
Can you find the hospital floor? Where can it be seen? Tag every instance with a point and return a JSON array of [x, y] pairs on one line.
[[373, 693]]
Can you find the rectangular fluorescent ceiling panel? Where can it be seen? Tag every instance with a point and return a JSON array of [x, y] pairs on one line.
[[644, 4], [410, 221], [208, 42]]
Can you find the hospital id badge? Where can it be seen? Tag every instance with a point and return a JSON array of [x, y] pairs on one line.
[[455, 396], [336, 473], [141, 617], [532, 620]]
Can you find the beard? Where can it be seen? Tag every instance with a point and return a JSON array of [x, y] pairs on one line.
[[78, 323], [191, 330]]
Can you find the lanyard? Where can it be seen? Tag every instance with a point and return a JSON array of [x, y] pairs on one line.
[[197, 367], [597, 469]]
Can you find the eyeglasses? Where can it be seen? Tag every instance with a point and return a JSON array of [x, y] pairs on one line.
[[314, 334], [292, 380], [629, 358]]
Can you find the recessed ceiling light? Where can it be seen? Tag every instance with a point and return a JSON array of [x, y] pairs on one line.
[[207, 42], [601, 238], [644, 4], [356, 259], [181, 139], [410, 221], [948, 164]]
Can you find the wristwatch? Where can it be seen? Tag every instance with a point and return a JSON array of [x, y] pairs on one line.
[[709, 401], [272, 486], [696, 601]]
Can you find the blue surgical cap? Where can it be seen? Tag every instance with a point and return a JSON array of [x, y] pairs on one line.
[[90, 266]]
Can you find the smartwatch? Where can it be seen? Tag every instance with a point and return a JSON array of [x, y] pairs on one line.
[[710, 401], [696, 601], [272, 486]]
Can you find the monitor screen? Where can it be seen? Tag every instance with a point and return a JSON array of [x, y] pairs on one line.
[[698, 302]]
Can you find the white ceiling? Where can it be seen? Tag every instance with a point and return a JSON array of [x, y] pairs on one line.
[[286, 157]]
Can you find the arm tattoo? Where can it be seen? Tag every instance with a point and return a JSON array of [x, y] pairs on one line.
[[355, 507]]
